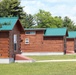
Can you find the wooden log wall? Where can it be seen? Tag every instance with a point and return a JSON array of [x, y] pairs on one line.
[[4, 44]]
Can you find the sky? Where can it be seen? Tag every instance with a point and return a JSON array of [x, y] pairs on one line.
[[55, 7]]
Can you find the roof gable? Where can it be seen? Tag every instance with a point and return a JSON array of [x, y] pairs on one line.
[[8, 23], [71, 34], [55, 32]]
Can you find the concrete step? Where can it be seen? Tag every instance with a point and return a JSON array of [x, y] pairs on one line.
[[70, 51], [21, 59]]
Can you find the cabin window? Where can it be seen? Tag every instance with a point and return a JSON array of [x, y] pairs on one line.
[[15, 41], [15, 38], [30, 32], [26, 40]]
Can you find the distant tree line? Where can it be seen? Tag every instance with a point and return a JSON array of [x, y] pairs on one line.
[[42, 19]]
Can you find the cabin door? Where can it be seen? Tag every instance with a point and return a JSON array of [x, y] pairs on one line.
[[15, 42]]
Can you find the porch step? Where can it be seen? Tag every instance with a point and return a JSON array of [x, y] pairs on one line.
[[21, 59], [70, 52]]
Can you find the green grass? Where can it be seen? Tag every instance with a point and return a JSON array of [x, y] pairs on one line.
[[46, 68], [55, 68], [53, 57]]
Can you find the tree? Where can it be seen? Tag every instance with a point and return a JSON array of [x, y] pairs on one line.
[[58, 21], [28, 21], [67, 22], [10, 8], [45, 20], [42, 19]]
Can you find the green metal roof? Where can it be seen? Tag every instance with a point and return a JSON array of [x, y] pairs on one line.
[[71, 34], [8, 23], [55, 32]]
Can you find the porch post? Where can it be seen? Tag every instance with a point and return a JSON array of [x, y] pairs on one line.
[[64, 38], [75, 45]]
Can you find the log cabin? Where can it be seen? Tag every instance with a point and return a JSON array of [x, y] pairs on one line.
[[10, 38], [71, 42], [14, 39], [44, 41]]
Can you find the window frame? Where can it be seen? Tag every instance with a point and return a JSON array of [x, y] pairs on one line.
[[30, 32], [26, 40]]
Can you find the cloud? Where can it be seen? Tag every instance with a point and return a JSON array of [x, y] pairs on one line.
[[33, 6], [60, 1], [55, 7]]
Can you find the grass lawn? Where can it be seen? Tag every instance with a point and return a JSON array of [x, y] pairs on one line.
[[55, 68], [53, 57]]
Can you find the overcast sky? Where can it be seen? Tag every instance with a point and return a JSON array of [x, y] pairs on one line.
[[55, 7]]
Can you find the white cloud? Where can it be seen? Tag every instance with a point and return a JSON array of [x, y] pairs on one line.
[[59, 1], [32, 7], [56, 7]]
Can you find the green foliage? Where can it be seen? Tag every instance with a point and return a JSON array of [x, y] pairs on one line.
[[58, 21], [67, 22], [45, 20], [10, 8], [42, 19], [28, 21]]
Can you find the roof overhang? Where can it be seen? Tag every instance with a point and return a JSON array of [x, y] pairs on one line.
[[54, 35], [34, 29]]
